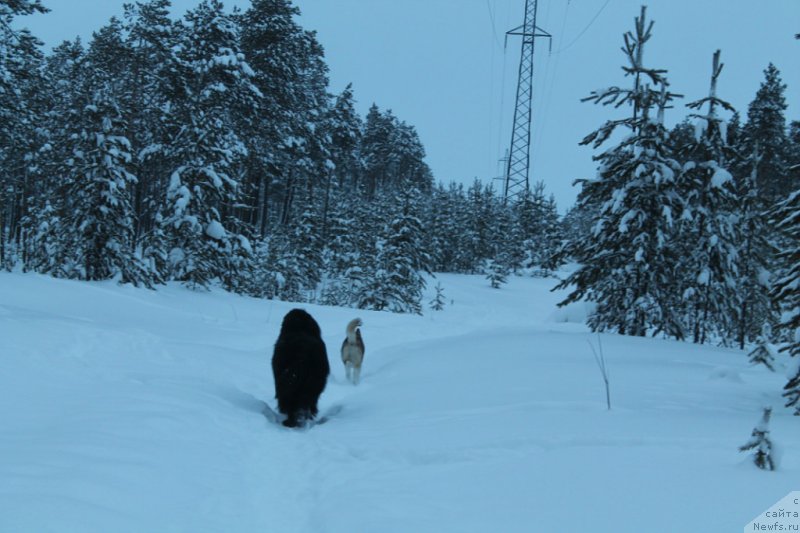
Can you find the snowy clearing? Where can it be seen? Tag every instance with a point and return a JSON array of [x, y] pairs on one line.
[[132, 410]]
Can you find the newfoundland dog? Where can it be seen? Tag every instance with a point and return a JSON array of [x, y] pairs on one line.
[[300, 367]]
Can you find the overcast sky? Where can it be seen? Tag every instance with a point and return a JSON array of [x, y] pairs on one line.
[[441, 66]]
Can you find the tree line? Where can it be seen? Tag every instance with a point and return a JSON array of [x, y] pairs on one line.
[[209, 150]]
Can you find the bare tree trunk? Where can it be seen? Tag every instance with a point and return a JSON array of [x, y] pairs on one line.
[[260, 207], [326, 206], [287, 200]]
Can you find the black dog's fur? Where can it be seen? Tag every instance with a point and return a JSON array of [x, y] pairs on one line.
[[300, 367]]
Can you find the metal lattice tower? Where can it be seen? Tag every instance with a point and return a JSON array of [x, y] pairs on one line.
[[518, 165]]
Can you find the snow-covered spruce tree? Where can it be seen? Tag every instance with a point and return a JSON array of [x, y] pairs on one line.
[[304, 252], [537, 233], [342, 129], [503, 243], [98, 226], [755, 257], [438, 301], [264, 280], [708, 228], [154, 250], [480, 233], [786, 290], [347, 248], [288, 262], [628, 266], [760, 442], [395, 281], [44, 252], [765, 352], [496, 272], [344, 244], [447, 232], [203, 189], [576, 224]]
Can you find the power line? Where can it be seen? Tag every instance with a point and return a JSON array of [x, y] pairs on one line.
[[584, 30], [494, 25]]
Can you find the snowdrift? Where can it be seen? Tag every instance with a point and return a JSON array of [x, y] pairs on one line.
[[132, 410]]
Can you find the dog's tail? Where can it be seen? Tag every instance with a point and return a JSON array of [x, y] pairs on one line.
[[352, 327]]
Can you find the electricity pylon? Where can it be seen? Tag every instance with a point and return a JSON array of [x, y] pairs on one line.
[[518, 164]]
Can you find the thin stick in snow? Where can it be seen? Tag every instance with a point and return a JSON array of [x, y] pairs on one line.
[[601, 364]]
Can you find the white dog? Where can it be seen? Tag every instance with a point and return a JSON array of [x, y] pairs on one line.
[[353, 351]]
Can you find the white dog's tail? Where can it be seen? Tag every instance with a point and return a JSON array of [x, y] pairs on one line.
[[352, 326]]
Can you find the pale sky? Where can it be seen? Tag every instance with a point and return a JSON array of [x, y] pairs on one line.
[[441, 66]]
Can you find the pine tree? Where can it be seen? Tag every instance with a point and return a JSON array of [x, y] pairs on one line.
[[286, 145], [97, 227], [709, 224], [342, 126], [408, 168], [375, 149], [761, 443], [345, 129], [153, 92], [61, 86], [202, 189], [629, 265], [20, 87], [765, 132]]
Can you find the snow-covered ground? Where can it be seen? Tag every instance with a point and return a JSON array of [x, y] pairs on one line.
[[129, 410]]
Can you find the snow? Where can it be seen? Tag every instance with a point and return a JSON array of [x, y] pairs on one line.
[[131, 410], [215, 230], [699, 129], [720, 177], [723, 130]]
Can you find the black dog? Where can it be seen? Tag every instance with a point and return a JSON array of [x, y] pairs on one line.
[[300, 367]]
